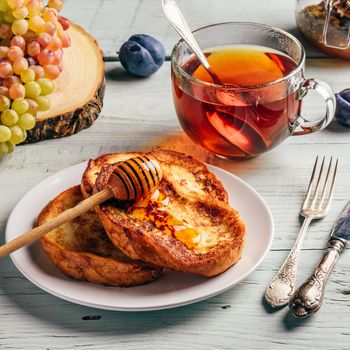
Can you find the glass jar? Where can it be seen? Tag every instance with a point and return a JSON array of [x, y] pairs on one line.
[[325, 23]]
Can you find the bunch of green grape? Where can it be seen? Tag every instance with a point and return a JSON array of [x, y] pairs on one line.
[[32, 38]]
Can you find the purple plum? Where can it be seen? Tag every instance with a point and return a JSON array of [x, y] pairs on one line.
[[342, 113], [142, 55]]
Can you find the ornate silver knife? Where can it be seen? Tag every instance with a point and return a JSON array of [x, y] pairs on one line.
[[309, 296]]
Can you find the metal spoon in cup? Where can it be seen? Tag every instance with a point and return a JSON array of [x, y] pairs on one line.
[[175, 17]]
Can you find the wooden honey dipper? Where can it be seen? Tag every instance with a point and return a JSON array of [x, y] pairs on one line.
[[130, 180]]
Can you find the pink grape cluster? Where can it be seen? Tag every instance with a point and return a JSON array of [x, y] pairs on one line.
[[32, 39]]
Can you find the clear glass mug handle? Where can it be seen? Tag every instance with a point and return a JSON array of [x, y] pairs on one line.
[[302, 126]]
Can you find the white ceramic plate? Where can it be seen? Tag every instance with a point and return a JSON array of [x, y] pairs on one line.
[[171, 290]]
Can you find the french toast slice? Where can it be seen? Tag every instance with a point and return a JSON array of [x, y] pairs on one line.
[[81, 249], [187, 224]]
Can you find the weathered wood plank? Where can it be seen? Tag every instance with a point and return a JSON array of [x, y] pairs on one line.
[[112, 22], [33, 319], [150, 99]]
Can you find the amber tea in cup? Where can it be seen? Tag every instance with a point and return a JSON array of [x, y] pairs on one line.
[[258, 104], [240, 127]]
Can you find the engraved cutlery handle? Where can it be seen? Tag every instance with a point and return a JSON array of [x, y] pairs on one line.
[[309, 296], [282, 286]]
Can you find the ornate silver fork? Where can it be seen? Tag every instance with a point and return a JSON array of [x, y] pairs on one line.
[[315, 206]]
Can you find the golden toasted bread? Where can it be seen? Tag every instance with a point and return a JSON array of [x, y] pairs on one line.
[[186, 225], [81, 249]]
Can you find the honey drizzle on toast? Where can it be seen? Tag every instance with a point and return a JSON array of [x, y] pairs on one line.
[[154, 210]]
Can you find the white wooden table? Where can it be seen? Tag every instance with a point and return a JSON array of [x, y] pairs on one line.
[[138, 115]]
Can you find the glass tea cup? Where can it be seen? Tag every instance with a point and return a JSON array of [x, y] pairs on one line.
[[243, 121]]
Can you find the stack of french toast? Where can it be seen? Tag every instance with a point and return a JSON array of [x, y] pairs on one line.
[[185, 224]]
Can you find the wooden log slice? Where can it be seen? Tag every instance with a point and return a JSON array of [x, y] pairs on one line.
[[78, 98]]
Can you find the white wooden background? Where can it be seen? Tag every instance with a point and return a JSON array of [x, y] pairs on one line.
[[138, 115]]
